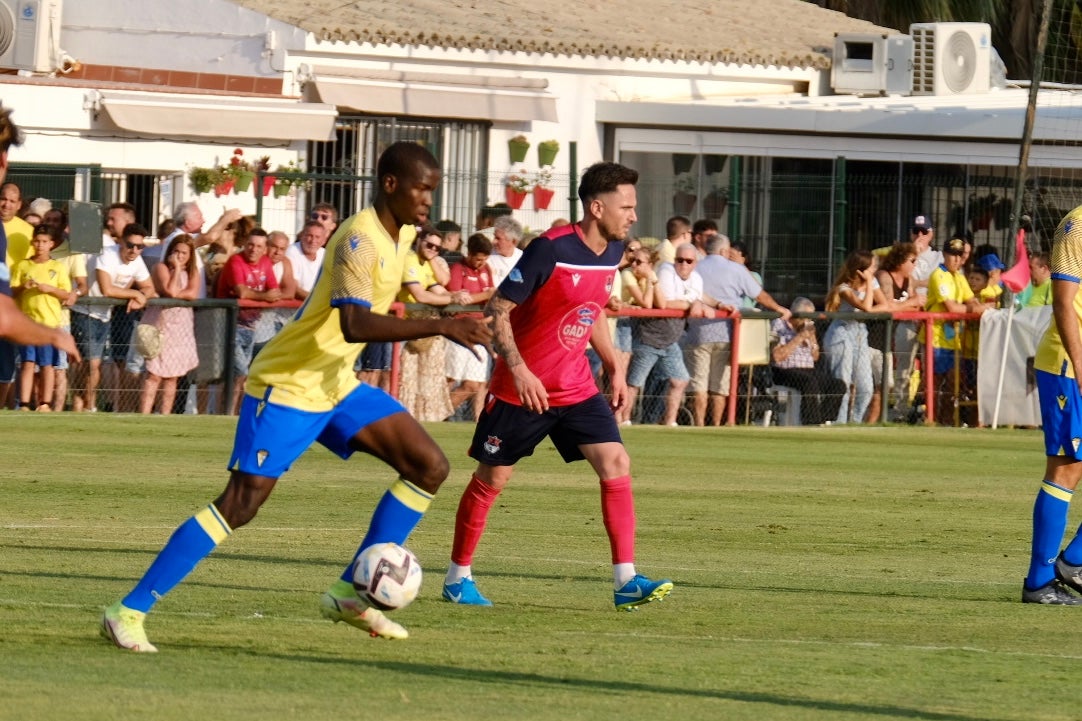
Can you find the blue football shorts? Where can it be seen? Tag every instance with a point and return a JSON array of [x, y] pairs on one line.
[[271, 437], [1061, 414]]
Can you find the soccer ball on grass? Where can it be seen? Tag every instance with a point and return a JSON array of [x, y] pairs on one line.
[[387, 575]]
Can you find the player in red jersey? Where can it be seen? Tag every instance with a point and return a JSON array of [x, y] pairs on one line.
[[544, 314]]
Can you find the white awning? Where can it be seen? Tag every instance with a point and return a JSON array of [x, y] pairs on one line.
[[213, 116], [433, 95]]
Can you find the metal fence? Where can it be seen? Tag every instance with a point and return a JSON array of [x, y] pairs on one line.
[[759, 393]]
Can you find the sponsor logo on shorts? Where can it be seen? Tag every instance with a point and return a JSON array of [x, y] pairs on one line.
[[261, 457]]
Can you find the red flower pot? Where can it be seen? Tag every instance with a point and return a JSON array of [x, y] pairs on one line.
[[268, 184], [514, 197], [224, 188], [542, 197]]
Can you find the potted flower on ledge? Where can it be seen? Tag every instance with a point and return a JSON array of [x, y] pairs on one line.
[[287, 177], [204, 180], [239, 171], [516, 187], [684, 193], [546, 152], [543, 191], [517, 147]]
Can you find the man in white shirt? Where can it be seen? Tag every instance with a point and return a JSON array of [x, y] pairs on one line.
[[679, 287], [506, 234], [119, 272], [306, 256]]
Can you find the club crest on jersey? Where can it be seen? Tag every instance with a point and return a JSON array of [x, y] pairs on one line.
[[515, 276], [492, 445], [575, 327]]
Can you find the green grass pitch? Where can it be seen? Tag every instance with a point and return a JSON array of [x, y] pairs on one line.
[[826, 573]]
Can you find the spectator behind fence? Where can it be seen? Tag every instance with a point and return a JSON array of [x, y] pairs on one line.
[[637, 286], [41, 285], [119, 272], [248, 275], [679, 287], [948, 292], [467, 374], [176, 277], [327, 216], [794, 359], [677, 232], [728, 284], [738, 253], [18, 233], [992, 294], [77, 271], [506, 236], [274, 319], [452, 241], [1039, 290], [423, 387], [846, 341], [895, 277], [702, 231], [306, 257]]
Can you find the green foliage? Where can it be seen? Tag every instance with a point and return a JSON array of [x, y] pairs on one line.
[[822, 574]]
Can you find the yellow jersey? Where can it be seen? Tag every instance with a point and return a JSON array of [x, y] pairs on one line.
[[38, 306], [944, 285], [309, 364], [1066, 264], [415, 272]]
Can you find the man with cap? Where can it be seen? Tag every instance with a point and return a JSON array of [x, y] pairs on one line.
[[948, 292], [922, 235], [928, 258]]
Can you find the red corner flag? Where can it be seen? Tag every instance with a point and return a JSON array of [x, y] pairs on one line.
[[1018, 277]]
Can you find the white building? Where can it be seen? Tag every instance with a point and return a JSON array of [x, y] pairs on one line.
[[120, 99]]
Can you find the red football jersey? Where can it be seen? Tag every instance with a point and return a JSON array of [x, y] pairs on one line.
[[561, 287]]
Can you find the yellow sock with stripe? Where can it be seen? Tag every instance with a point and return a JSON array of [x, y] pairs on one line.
[[396, 515], [190, 543]]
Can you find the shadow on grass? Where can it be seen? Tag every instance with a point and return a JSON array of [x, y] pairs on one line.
[[620, 688]]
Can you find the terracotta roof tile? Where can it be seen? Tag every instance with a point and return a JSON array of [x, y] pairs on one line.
[[785, 33]]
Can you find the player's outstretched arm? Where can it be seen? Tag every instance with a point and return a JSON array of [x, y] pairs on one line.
[[18, 328], [360, 325], [531, 392]]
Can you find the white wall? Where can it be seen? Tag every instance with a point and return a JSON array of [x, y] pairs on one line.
[[209, 36]]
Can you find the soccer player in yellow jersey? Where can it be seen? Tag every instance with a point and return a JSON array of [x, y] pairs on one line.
[[1059, 356], [301, 389]]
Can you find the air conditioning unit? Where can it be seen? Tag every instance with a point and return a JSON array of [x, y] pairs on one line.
[[951, 58], [871, 64], [30, 34]]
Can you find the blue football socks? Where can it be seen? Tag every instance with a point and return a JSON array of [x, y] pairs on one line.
[[396, 515], [1049, 525], [190, 543]]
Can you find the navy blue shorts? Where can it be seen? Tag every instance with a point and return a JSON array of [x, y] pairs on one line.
[[506, 433], [374, 357], [8, 354]]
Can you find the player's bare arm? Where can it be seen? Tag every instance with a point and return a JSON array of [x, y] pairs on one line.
[[1063, 312], [531, 392], [360, 325]]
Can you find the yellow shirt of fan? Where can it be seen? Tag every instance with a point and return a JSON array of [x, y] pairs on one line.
[[309, 364]]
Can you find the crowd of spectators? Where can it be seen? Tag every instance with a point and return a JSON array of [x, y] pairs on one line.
[[168, 358]]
